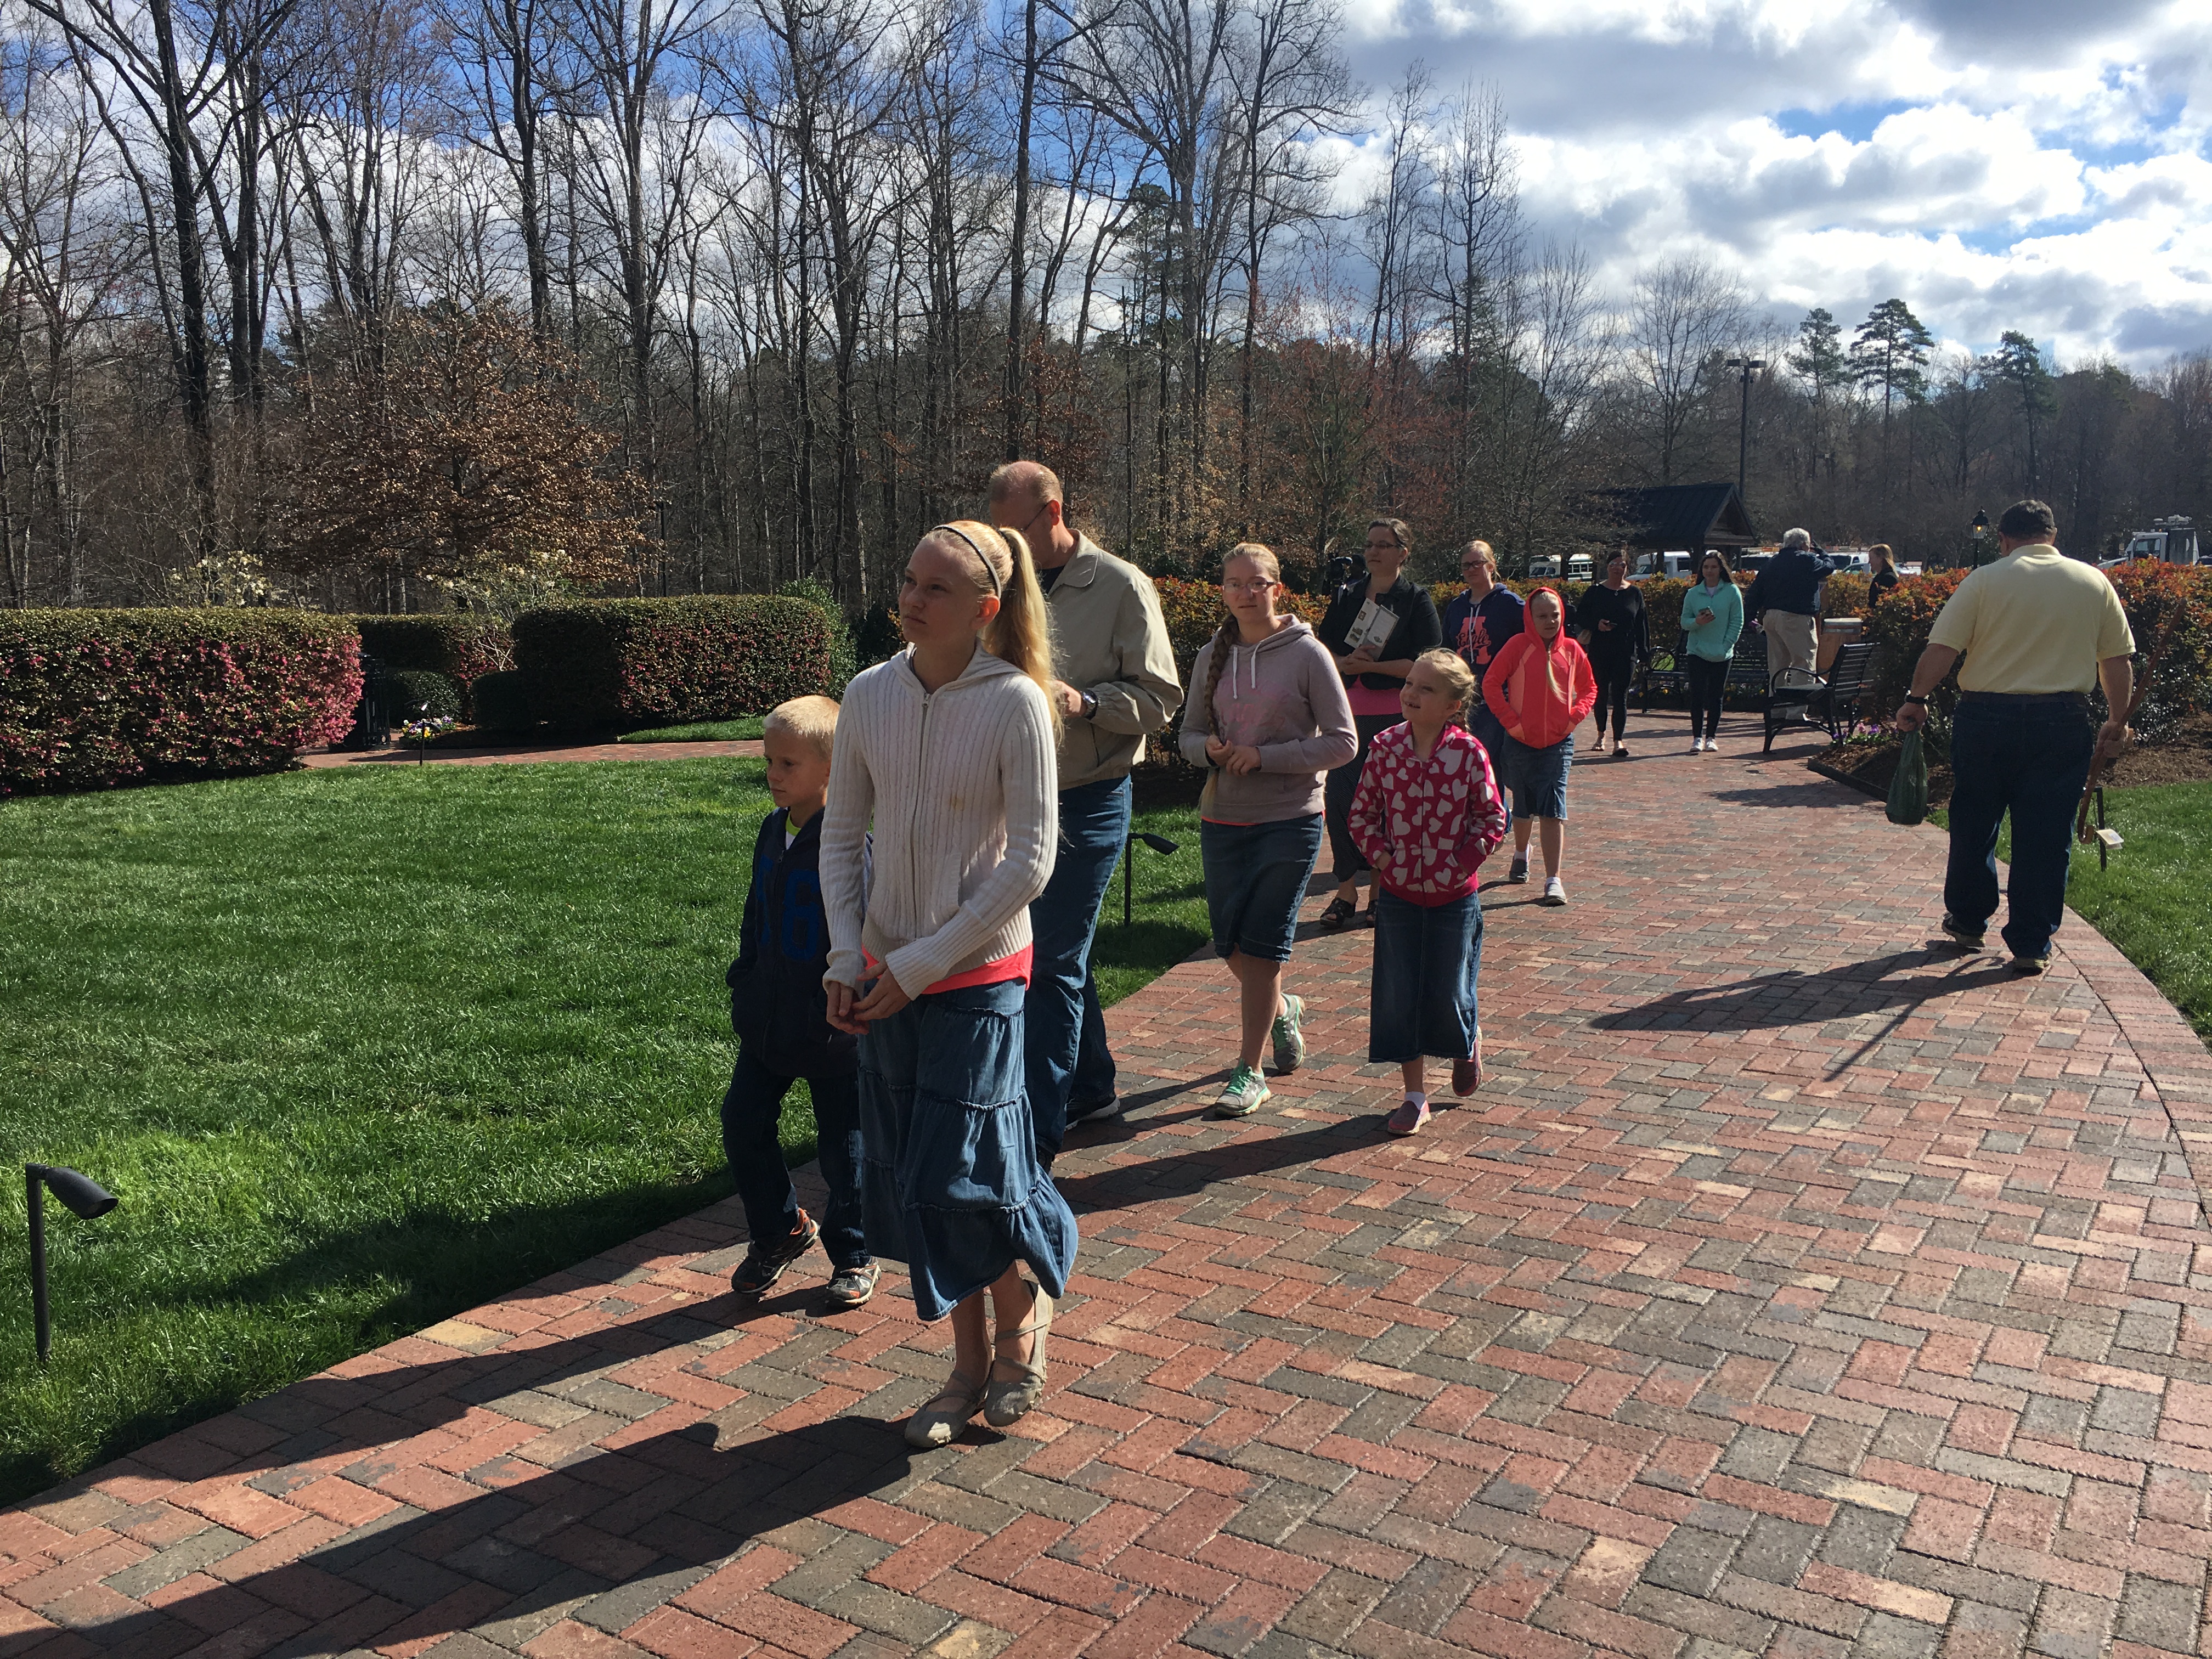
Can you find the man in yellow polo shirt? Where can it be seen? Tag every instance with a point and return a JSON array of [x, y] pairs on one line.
[[2038, 630]]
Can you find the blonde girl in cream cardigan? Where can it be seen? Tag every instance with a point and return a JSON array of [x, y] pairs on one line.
[[947, 751]]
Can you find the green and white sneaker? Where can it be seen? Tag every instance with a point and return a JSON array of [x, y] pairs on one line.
[[1290, 1042], [1242, 1095]]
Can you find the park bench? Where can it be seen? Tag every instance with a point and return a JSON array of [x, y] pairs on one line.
[[1746, 671], [1797, 697]]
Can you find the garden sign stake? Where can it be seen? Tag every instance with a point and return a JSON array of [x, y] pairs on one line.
[[2104, 839]]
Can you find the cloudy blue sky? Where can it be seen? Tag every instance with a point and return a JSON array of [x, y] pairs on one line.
[[2044, 164]]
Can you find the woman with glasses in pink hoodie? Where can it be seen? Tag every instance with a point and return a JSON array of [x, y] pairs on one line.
[[1539, 686]]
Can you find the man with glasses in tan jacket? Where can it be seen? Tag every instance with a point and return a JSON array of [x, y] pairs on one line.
[[1117, 685]]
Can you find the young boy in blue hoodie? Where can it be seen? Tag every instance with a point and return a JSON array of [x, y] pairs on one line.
[[778, 1010]]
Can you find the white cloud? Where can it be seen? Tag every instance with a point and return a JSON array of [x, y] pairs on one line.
[[2031, 164]]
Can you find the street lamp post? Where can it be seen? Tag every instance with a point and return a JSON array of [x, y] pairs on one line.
[[1746, 366], [1980, 532]]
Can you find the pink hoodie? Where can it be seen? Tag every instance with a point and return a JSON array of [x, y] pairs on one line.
[[1540, 696]]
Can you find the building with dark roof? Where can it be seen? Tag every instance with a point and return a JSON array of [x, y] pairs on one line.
[[1672, 518]]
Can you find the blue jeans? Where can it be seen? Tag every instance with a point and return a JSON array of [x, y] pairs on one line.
[[950, 1180], [2032, 758], [751, 1111], [1421, 998], [1067, 1058], [1492, 736]]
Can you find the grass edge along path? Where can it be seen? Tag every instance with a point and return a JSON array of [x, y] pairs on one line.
[[360, 1049], [2149, 900]]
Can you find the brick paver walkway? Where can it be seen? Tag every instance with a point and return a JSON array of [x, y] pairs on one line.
[[743, 747], [1794, 1285]]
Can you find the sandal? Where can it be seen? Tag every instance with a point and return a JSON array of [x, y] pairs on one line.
[[1337, 917], [940, 1422], [1009, 1403]]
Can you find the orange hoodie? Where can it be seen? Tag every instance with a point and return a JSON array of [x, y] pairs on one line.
[[1540, 696]]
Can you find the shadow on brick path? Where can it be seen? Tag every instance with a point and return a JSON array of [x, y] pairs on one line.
[[1790, 1286]]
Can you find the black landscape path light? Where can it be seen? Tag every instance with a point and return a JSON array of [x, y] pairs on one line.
[[87, 1199], [1158, 844]]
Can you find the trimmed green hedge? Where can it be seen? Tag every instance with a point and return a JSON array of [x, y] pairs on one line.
[[89, 699], [502, 702], [462, 648], [412, 693], [628, 662]]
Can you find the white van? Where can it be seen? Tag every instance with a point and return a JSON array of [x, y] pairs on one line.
[[1544, 564], [1660, 566]]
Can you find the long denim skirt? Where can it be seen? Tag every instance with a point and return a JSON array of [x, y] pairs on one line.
[[1422, 996], [950, 1182]]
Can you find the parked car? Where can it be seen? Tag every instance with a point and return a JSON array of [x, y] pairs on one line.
[[1752, 563], [1654, 566]]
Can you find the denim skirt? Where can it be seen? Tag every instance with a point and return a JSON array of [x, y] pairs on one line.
[[1256, 880], [1422, 993], [950, 1182], [1540, 776]]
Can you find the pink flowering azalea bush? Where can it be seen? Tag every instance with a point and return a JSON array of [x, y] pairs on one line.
[[89, 699]]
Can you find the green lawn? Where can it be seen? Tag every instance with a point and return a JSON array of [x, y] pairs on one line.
[[2151, 900], [361, 1049], [746, 726]]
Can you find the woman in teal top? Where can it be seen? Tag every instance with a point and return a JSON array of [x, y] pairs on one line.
[[1712, 617]]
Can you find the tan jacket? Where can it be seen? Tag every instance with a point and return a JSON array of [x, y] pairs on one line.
[[1110, 639]]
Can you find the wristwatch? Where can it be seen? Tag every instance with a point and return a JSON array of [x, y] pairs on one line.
[[1916, 696], [1090, 706]]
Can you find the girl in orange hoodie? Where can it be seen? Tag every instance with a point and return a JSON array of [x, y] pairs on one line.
[[1540, 687]]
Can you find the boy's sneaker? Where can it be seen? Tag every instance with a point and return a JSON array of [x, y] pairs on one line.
[[2030, 964], [1555, 891], [1697, 745], [1241, 1095], [853, 1287], [1290, 1042], [1518, 870], [764, 1262], [1969, 937], [1109, 1107]]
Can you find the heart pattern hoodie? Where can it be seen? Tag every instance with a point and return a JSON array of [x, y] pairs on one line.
[[1427, 824]]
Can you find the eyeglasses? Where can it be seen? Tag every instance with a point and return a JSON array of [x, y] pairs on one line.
[[1257, 584], [1023, 529]]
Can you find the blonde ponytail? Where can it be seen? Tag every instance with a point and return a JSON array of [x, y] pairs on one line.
[[1020, 633]]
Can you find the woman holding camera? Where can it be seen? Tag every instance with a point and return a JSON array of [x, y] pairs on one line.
[[1374, 674]]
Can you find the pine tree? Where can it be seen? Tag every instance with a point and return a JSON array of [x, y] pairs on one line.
[[2018, 362], [1819, 357], [1891, 351]]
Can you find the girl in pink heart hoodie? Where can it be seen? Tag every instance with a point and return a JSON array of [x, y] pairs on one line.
[[1426, 813]]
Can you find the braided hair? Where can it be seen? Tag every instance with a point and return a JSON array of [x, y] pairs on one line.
[[1225, 639]]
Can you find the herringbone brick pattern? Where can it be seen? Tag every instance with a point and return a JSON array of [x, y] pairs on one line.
[[1793, 1286]]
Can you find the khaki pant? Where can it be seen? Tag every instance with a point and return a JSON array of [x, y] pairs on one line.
[[1791, 640]]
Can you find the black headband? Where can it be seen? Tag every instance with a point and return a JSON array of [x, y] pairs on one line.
[[998, 588]]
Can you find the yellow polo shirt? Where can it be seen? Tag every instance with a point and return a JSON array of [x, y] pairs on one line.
[[2033, 623]]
